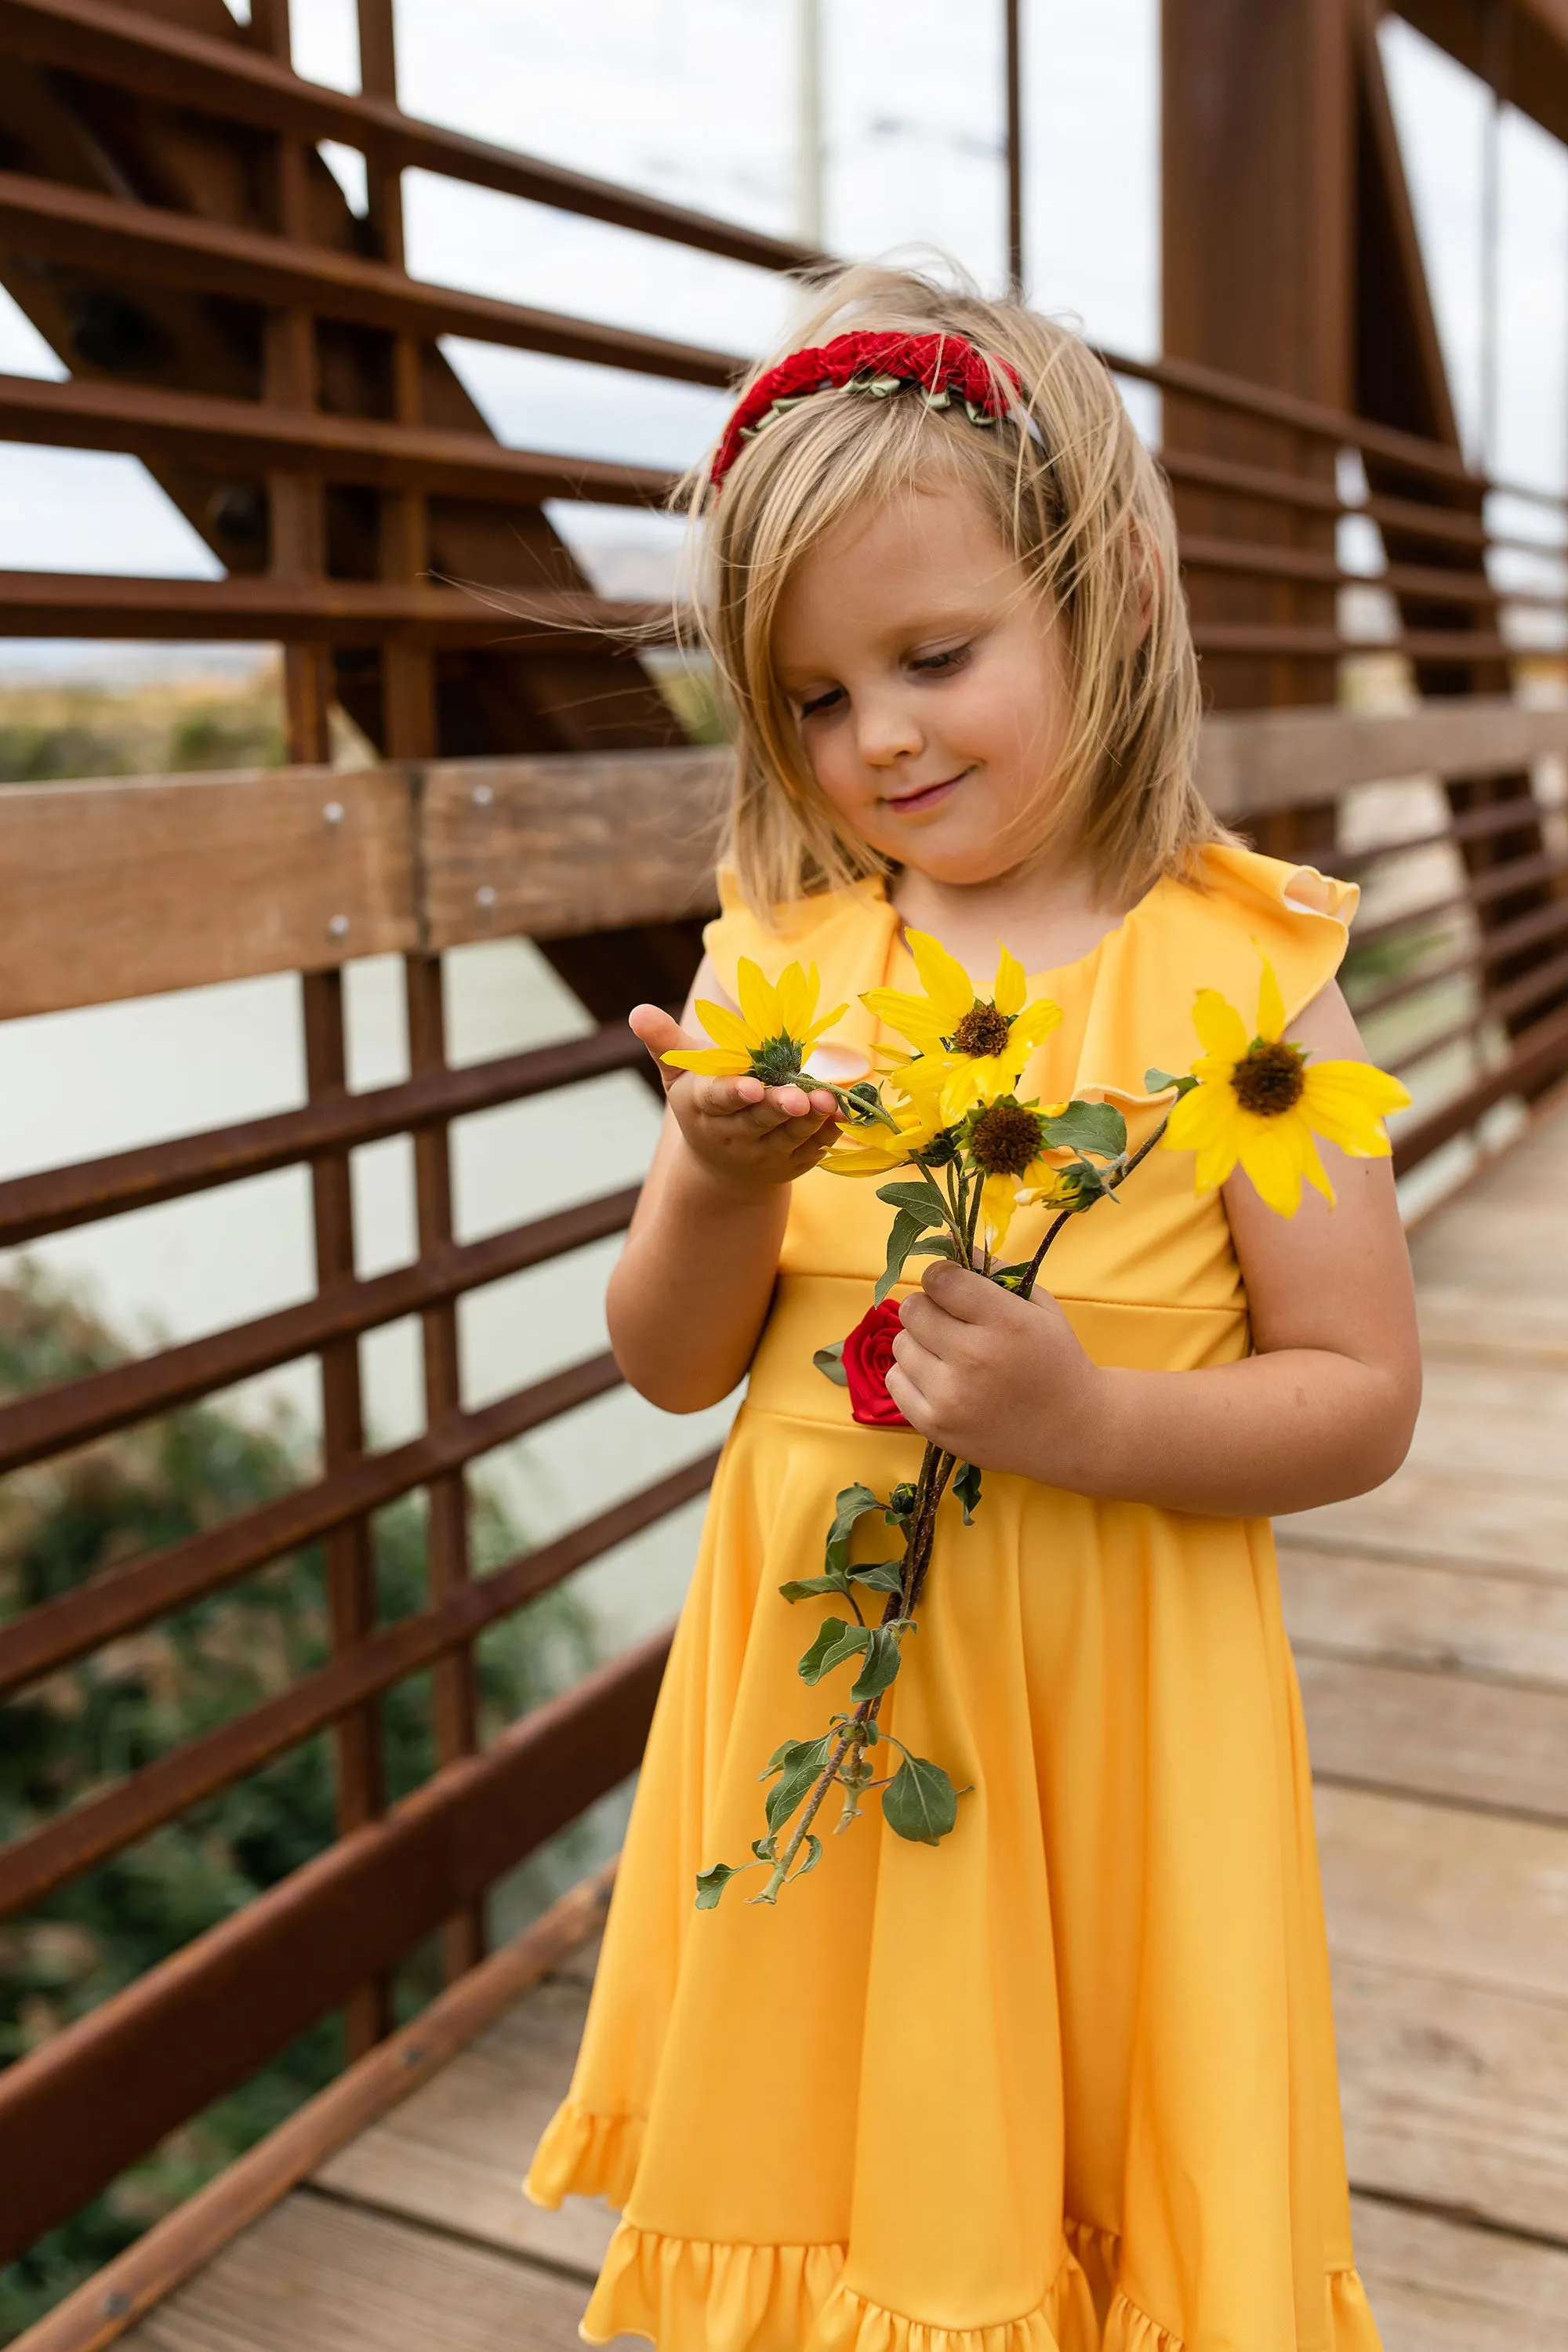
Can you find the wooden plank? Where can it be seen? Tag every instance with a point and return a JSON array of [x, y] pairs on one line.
[[1255, 760], [1426, 1515], [1453, 2093], [1404, 1880], [1466, 1324], [176, 2247], [1422, 1612], [1428, 1731], [557, 847], [1438, 2287], [123, 888], [319, 2276], [301, 611], [452, 2157]]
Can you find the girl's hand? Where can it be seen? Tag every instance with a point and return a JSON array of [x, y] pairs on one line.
[[999, 1380], [748, 1137]]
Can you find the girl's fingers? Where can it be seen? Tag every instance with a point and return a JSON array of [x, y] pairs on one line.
[[661, 1033]]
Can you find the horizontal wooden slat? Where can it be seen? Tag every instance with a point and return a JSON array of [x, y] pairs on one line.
[[141, 52], [32, 1866], [199, 429], [558, 846], [119, 889], [179, 2244], [114, 238], [321, 611], [1252, 763], [90, 2101]]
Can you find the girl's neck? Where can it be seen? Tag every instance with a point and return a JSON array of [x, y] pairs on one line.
[[1048, 915]]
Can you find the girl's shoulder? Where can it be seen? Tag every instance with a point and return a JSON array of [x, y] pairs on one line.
[[845, 933], [1212, 928]]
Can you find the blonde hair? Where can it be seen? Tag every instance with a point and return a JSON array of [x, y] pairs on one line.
[[1080, 505]]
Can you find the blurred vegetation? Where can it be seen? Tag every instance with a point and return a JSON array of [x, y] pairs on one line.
[[47, 732], [89, 1726], [689, 688]]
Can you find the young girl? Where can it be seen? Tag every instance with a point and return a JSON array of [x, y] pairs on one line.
[[1064, 2083]]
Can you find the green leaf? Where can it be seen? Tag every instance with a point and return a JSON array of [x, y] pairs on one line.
[[1158, 1080], [829, 1363], [851, 1505], [917, 1201], [835, 1642], [801, 1752], [881, 1664], [1098, 1127], [880, 1575], [763, 1848], [966, 1486], [711, 1883], [919, 1802], [934, 1245], [812, 1856], [790, 1791], [803, 1587], [906, 1232]]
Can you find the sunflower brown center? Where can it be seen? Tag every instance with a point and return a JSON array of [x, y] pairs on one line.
[[1004, 1139], [1271, 1079], [982, 1032]]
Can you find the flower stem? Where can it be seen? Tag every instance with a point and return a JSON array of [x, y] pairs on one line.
[[1116, 1182]]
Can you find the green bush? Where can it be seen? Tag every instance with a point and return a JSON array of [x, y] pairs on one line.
[[89, 1726]]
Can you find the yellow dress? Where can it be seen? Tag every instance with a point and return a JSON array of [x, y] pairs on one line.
[[1066, 2082]]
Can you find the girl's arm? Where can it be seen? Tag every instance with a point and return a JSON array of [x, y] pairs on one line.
[[1324, 1407], [689, 1298]]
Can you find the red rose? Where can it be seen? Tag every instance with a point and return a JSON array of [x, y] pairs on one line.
[[867, 1359]]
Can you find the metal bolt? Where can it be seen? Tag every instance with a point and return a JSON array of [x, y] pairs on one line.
[[483, 795], [338, 927], [333, 812], [485, 895]]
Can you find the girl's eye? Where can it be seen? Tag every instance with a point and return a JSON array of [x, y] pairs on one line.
[[951, 657], [820, 702]]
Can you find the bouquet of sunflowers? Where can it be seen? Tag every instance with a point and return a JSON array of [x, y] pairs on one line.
[[947, 1113]]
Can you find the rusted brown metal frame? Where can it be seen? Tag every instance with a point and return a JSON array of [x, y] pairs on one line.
[[48, 1421], [60, 1198], [33, 1866], [75, 2111], [51, 222], [203, 430], [122, 1599], [408, 732], [160, 59], [184, 2241], [301, 611]]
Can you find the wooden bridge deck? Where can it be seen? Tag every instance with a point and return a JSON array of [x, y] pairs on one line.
[[1431, 1626]]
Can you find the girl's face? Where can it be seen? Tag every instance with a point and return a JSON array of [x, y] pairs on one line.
[[929, 689]]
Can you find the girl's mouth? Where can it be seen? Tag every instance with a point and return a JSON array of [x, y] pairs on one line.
[[925, 796]]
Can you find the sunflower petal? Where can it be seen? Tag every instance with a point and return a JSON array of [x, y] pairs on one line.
[[759, 1001], [725, 1027], [1201, 1118], [1012, 986], [1221, 1029], [914, 1017], [1270, 1004], [998, 1205], [713, 1061], [1347, 1101], [943, 978], [1271, 1154]]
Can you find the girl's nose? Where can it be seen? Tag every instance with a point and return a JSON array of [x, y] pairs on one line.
[[886, 730]]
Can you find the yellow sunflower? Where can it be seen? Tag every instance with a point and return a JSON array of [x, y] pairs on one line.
[[771, 1036], [971, 1049], [1262, 1103], [878, 1151], [1005, 1143]]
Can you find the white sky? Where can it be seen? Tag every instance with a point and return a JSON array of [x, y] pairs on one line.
[[695, 100]]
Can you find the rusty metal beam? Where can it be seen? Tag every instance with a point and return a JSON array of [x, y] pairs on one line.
[[115, 238], [138, 52], [77, 2111]]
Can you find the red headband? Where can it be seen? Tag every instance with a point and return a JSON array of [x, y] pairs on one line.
[[941, 365]]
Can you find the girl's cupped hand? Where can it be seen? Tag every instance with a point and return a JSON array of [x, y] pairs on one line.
[[748, 1137], [998, 1380]]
